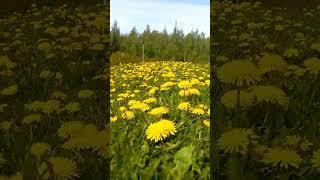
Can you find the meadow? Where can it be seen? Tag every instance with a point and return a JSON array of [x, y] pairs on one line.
[[160, 120], [53, 109], [265, 95]]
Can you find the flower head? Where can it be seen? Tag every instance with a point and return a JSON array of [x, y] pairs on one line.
[[160, 130], [239, 72], [282, 157]]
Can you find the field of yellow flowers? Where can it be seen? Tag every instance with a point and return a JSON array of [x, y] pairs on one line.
[[160, 120], [52, 104], [265, 92]]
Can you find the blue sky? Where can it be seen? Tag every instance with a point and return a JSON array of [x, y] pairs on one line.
[[189, 14]]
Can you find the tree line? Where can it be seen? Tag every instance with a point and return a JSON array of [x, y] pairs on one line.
[[177, 45]]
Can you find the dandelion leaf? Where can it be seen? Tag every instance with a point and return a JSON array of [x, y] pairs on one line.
[[183, 161]]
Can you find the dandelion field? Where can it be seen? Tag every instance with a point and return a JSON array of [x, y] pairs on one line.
[[52, 97], [265, 96], [160, 120]]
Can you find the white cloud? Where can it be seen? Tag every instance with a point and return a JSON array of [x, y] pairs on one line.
[[159, 14]]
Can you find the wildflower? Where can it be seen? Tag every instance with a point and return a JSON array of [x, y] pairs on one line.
[[5, 61], [58, 95], [184, 106], [197, 111], [9, 91], [58, 75], [270, 94], [46, 74], [160, 130], [150, 100], [291, 52], [72, 107], [270, 62], [113, 119], [63, 168], [84, 94], [71, 128], [128, 115], [312, 65], [159, 111], [239, 72], [206, 123], [39, 148], [184, 84], [31, 118], [236, 140], [282, 157], [193, 91]]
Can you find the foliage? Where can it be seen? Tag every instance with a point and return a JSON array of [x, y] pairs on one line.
[[266, 81], [193, 46], [159, 113], [53, 110]]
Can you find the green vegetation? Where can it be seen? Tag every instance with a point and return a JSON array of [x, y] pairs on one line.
[[159, 121], [193, 46], [265, 95], [53, 109]]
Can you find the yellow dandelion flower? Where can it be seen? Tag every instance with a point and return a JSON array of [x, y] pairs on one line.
[[113, 119], [282, 157], [160, 130], [49, 106], [169, 75], [271, 62], [84, 94], [31, 118], [206, 122], [71, 128], [207, 82], [58, 95], [139, 106], [159, 111], [184, 84], [239, 72], [122, 108], [193, 91], [9, 91], [73, 107], [236, 140], [197, 111], [150, 100], [6, 62], [153, 90], [46, 74], [291, 52], [184, 106], [270, 94], [312, 65], [63, 168], [39, 148], [128, 115]]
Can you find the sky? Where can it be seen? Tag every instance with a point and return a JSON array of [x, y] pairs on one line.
[[159, 14]]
